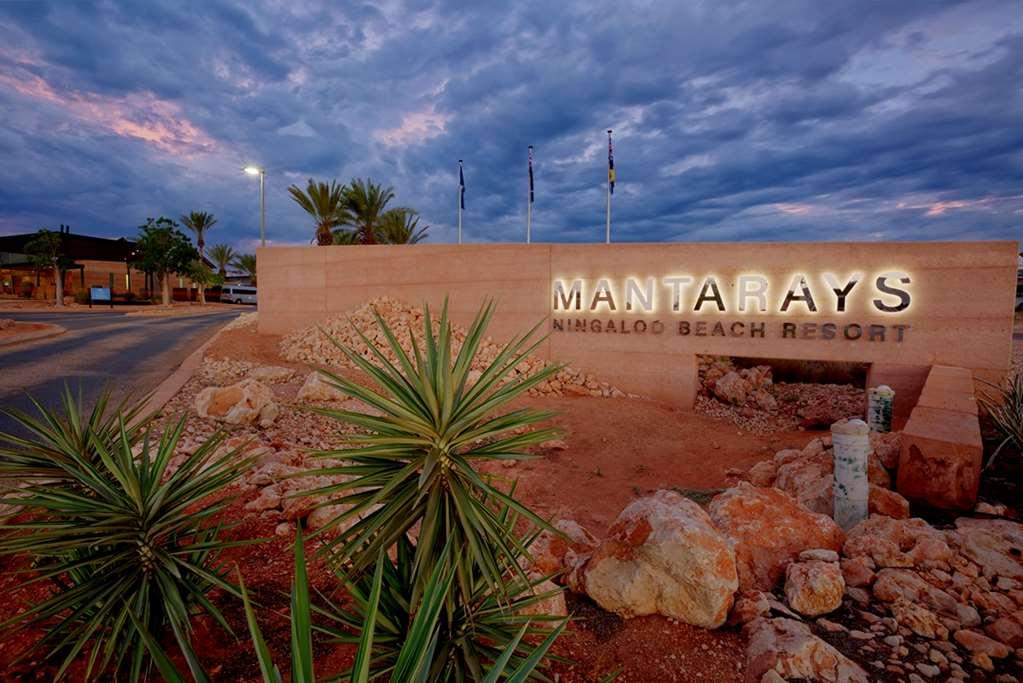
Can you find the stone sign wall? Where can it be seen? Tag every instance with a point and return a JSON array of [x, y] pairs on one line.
[[638, 314]]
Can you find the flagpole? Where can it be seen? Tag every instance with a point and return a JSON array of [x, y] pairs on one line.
[[607, 230], [459, 201], [529, 201]]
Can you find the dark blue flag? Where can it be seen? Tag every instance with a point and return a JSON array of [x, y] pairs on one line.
[[461, 185], [531, 174], [610, 164]]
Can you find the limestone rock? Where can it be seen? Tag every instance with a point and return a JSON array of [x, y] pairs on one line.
[[898, 543], [814, 587], [858, 571], [978, 643], [769, 529], [323, 515], [996, 545], [664, 556], [565, 549], [892, 584], [763, 473], [268, 499], [917, 619], [731, 389], [885, 447], [553, 604], [748, 606], [819, 554], [786, 649], [317, 388], [271, 374], [882, 501], [247, 402], [1007, 630]]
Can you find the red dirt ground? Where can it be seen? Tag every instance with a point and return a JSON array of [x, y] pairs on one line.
[[616, 450]]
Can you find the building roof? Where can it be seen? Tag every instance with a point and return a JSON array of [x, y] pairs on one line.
[[76, 247]]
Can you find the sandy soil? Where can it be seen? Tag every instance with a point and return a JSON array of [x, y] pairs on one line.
[[615, 450]]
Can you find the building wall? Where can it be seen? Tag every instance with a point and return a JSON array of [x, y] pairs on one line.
[[961, 312]]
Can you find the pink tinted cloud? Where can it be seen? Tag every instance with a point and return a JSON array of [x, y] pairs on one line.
[[139, 115], [416, 126]]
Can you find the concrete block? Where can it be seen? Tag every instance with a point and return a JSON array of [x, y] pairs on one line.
[[939, 464], [906, 380]]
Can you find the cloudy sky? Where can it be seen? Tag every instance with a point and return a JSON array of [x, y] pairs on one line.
[[733, 120]]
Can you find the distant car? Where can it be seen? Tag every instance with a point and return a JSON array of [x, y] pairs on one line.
[[238, 294]]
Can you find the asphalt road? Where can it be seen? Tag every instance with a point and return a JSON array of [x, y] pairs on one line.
[[131, 354]]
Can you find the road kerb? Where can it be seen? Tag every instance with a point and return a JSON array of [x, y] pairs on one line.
[[172, 385], [34, 335]]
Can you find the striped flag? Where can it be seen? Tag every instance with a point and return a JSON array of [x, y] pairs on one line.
[[461, 186], [610, 164], [531, 174]]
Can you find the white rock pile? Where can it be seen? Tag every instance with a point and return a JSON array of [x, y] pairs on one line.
[[310, 345], [751, 399]]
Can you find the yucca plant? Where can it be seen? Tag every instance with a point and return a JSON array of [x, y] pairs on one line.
[[446, 635], [407, 660], [128, 547], [1004, 406], [51, 441], [414, 463]]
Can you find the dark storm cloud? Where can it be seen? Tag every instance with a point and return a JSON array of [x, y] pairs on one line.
[[733, 120]]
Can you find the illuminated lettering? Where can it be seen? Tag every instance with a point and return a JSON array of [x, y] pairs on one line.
[[799, 282], [709, 292], [752, 287], [883, 286], [602, 294], [677, 282], [644, 296]]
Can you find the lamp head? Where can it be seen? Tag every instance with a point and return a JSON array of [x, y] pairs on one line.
[[253, 170]]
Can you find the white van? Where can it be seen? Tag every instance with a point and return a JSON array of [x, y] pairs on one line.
[[238, 294]]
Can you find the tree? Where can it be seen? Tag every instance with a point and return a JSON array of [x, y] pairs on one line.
[[163, 250], [247, 264], [401, 226], [366, 203], [199, 222], [326, 204], [343, 236], [47, 251], [203, 277], [223, 256]]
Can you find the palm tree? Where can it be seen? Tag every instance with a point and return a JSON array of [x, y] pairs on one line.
[[367, 202], [344, 236], [247, 264], [401, 226], [326, 204], [223, 256], [199, 222]]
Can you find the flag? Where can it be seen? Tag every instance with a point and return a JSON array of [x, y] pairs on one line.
[[610, 164], [461, 186], [531, 174]]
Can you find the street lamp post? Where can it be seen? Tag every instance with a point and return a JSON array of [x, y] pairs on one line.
[[261, 172]]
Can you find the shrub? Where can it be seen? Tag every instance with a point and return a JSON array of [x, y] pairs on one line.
[[414, 465], [473, 633], [412, 656], [1004, 406], [82, 297], [128, 546]]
